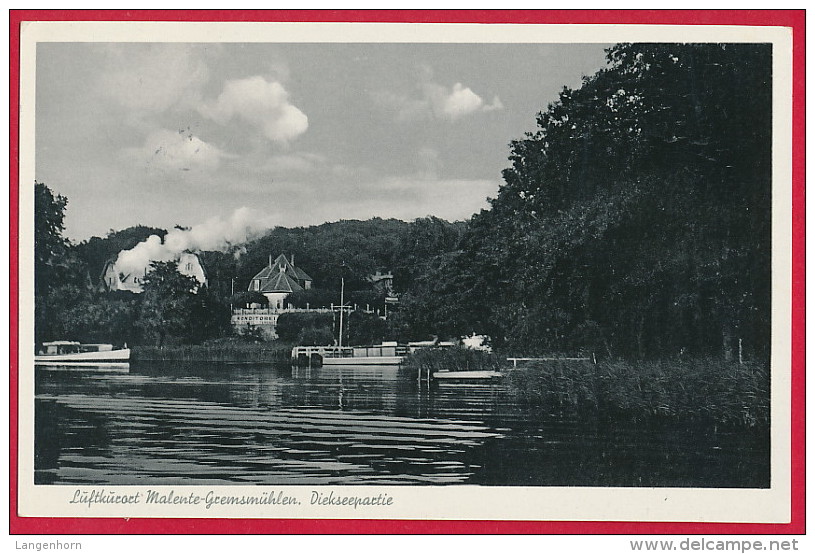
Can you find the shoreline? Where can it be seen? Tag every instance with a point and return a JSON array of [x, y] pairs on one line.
[[235, 353]]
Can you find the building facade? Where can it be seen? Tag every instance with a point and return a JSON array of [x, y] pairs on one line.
[[276, 282]]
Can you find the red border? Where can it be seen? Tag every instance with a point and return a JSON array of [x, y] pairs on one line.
[[794, 19]]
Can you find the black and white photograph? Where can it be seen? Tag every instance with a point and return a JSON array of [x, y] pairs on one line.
[[272, 273]]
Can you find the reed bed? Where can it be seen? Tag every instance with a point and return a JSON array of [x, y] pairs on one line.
[[451, 359], [229, 352], [703, 389]]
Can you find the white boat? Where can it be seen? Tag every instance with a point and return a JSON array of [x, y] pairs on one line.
[[461, 375], [366, 360], [103, 367], [387, 353], [71, 352]]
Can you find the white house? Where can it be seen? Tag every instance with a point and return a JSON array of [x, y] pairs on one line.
[[278, 280]]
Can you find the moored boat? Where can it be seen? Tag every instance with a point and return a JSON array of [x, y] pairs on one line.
[[383, 354], [387, 353], [72, 352]]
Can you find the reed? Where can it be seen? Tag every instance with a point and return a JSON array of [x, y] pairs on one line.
[[213, 352], [703, 389], [451, 359]]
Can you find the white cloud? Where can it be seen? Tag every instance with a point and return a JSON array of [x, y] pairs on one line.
[[260, 103], [460, 102], [437, 101], [177, 150]]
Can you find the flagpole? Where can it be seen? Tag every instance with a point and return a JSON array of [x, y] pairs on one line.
[[342, 306]]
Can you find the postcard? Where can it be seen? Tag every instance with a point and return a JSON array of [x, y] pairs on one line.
[[405, 271]]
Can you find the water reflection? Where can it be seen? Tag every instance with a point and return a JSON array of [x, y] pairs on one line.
[[351, 425]]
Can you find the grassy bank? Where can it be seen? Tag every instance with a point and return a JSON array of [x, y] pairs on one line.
[[700, 389], [216, 351]]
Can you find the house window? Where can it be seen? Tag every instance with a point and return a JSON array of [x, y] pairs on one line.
[[189, 266]]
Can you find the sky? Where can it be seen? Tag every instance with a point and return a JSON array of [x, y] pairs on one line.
[[166, 134]]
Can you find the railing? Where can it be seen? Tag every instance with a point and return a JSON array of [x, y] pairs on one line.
[[349, 351], [274, 311], [324, 351]]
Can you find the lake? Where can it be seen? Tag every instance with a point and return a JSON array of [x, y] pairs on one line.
[[274, 424]]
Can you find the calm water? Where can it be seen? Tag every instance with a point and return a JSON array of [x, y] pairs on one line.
[[242, 424]]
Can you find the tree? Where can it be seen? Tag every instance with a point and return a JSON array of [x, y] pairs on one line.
[[94, 317], [49, 244], [170, 307], [636, 218], [55, 262], [364, 328], [424, 239], [313, 298]]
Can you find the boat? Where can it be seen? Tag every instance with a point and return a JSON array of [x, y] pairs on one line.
[[65, 352], [467, 375], [387, 353], [435, 343]]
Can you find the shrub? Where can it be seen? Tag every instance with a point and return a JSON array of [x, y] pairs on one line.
[[291, 325], [246, 298], [315, 336], [365, 328], [451, 359]]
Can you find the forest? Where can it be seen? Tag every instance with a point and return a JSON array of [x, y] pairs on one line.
[[634, 222]]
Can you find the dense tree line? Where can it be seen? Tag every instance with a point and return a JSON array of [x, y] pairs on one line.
[[635, 220]]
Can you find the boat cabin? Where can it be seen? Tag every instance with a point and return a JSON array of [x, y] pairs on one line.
[[60, 347]]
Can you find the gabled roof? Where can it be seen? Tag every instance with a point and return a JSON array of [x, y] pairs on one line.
[[264, 273], [291, 269], [302, 275], [282, 282], [271, 271], [274, 267]]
